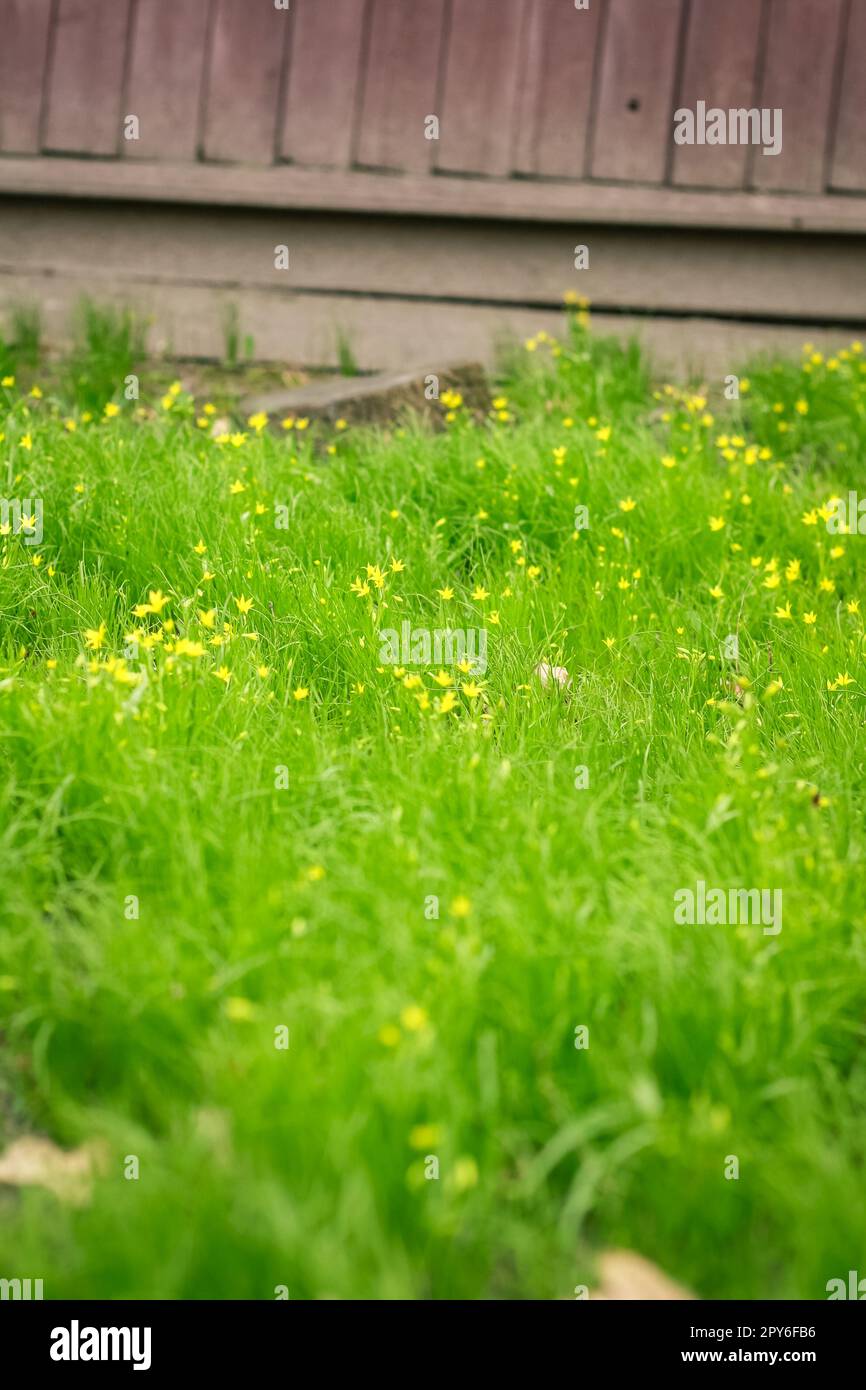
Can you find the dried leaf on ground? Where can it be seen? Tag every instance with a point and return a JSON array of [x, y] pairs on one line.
[[625, 1275], [68, 1173]]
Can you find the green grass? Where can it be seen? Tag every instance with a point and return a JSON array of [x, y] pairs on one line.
[[149, 774]]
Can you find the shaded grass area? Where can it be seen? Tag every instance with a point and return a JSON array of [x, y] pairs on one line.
[[222, 815]]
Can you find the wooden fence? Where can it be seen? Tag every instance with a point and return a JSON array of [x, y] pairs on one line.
[[547, 113], [536, 89]]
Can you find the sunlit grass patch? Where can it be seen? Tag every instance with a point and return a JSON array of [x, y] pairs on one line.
[[310, 925]]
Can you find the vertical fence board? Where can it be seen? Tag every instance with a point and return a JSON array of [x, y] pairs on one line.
[[243, 87], [802, 44], [23, 53], [165, 76], [849, 157], [327, 42], [527, 106], [86, 78], [720, 68], [553, 113], [400, 85], [633, 119], [480, 80]]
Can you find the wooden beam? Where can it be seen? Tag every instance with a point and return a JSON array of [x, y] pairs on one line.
[[285, 186]]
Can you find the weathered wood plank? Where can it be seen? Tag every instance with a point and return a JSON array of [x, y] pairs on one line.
[[85, 82], [802, 45], [418, 195], [849, 154], [556, 90], [720, 68], [400, 85], [324, 73], [165, 78], [527, 101], [633, 126], [23, 54], [247, 53], [481, 69]]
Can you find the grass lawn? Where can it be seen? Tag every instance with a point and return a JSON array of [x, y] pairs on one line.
[[227, 825]]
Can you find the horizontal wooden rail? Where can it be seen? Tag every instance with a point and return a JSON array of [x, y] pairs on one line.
[[285, 186]]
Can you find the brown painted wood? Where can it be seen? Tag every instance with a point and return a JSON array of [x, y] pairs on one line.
[[23, 53], [527, 103], [245, 64], [633, 126], [481, 68], [411, 195], [400, 85], [324, 73], [165, 78], [720, 68], [799, 69], [555, 90], [85, 80], [849, 154]]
